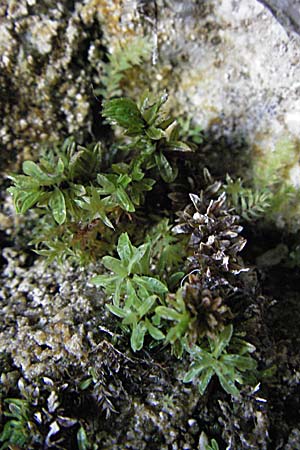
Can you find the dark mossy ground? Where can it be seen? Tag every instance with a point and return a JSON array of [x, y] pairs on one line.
[[66, 355]]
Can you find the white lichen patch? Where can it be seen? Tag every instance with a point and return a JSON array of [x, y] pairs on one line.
[[74, 344], [294, 175], [6, 41], [41, 32], [292, 119]]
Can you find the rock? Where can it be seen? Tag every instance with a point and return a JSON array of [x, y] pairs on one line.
[[51, 58], [287, 13], [231, 64]]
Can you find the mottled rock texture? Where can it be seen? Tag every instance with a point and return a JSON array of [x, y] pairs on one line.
[[238, 68], [51, 57], [287, 12], [231, 64]]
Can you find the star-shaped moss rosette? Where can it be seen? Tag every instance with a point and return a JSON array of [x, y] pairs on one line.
[[214, 232]]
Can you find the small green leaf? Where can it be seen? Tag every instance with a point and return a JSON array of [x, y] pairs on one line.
[[222, 340], [178, 146], [130, 319], [92, 203], [31, 169], [241, 362], [124, 248], [117, 311], [243, 347], [137, 336], [193, 372], [136, 173], [166, 171], [166, 123], [168, 313], [85, 384], [84, 162], [150, 108], [108, 186], [77, 190], [204, 380], [154, 133], [177, 332], [16, 411], [146, 306], [156, 320], [174, 135], [143, 294], [104, 280], [135, 264], [227, 384], [82, 439], [150, 112], [123, 200], [57, 204], [105, 219], [60, 167], [25, 182], [154, 332], [125, 113], [214, 445], [174, 279], [117, 293], [131, 295], [115, 265], [120, 168], [124, 180], [141, 262], [25, 200], [151, 284]]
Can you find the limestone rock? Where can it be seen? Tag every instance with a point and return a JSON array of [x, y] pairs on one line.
[[287, 13], [231, 64]]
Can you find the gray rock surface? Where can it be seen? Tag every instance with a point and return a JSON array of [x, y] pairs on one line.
[[50, 57], [287, 13], [229, 64], [237, 66]]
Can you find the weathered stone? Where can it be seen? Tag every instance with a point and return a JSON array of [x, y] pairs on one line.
[[51, 57], [287, 13]]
